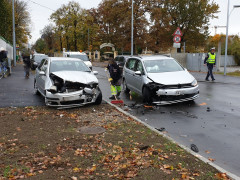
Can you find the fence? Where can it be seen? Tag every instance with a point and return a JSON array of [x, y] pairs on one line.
[[195, 61]]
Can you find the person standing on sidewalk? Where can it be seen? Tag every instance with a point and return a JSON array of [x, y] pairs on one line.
[[210, 60], [115, 79], [27, 63], [3, 57]]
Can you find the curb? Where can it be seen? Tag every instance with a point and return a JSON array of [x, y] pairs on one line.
[[229, 174]]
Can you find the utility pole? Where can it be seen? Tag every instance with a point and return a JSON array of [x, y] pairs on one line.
[[14, 36], [88, 38], [226, 44], [132, 32]]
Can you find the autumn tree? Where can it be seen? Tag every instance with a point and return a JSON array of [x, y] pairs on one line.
[[40, 46], [192, 16], [114, 20], [49, 37], [22, 21], [71, 26], [5, 19]]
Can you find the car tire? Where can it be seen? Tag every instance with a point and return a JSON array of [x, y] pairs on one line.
[[147, 97], [99, 98], [35, 89], [125, 88]]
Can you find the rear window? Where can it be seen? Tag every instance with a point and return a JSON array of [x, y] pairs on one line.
[[39, 58], [83, 57]]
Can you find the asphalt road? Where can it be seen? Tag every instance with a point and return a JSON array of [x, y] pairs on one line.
[[212, 122], [17, 91]]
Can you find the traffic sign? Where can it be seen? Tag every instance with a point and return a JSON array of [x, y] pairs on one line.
[[176, 45], [177, 39], [178, 32]]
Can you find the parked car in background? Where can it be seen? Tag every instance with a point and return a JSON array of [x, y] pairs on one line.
[[66, 82], [159, 79], [79, 55], [121, 60], [36, 60]]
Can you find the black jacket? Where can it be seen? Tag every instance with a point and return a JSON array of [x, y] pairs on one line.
[[26, 61], [115, 72], [3, 56]]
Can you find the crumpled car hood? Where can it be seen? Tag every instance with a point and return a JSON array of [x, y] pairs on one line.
[[77, 76], [169, 78]]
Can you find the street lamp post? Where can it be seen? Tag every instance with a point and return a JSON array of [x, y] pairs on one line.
[[132, 32], [226, 44], [14, 38]]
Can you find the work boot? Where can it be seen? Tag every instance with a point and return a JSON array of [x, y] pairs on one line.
[[206, 80], [213, 79], [112, 97], [118, 94]]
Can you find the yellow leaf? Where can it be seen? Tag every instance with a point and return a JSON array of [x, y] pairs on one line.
[[166, 166], [76, 169], [117, 157]]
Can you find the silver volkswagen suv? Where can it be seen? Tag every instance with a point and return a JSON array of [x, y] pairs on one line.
[[159, 79]]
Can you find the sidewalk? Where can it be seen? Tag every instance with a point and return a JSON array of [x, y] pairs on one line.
[[200, 77]]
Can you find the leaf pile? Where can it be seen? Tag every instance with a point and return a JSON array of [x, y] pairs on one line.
[[43, 143]]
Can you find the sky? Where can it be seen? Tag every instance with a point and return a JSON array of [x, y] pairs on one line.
[[40, 11]]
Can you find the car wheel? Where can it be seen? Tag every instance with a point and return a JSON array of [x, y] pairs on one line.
[[147, 97], [99, 99], [35, 89], [125, 88]]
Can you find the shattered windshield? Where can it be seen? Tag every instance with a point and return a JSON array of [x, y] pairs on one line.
[[162, 65], [82, 57], [68, 65]]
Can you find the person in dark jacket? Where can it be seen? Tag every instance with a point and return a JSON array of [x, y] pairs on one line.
[[3, 57], [115, 79], [210, 60], [27, 63]]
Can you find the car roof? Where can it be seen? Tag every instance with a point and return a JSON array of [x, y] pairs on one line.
[[154, 57], [38, 54], [76, 53], [63, 58]]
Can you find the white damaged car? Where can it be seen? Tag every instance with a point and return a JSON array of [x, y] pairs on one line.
[[66, 82]]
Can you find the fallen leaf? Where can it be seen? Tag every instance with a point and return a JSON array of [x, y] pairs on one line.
[[211, 159], [203, 104], [208, 152], [74, 178]]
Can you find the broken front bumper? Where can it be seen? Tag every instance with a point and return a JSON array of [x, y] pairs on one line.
[[170, 96], [72, 99]]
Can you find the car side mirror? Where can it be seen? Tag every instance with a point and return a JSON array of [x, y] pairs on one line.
[[95, 72], [42, 73], [138, 73]]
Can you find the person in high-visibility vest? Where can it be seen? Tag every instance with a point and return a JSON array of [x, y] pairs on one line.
[[210, 61]]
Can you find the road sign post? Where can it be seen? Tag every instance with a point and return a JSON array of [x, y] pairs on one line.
[[177, 38]]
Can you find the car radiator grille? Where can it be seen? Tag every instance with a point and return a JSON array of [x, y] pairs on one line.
[[72, 102], [173, 98], [177, 86]]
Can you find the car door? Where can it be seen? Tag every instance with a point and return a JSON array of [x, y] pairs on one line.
[[41, 78], [138, 78], [129, 72]]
